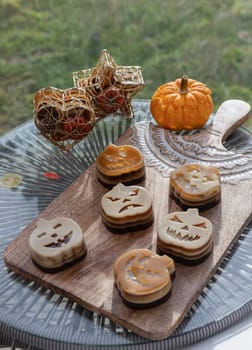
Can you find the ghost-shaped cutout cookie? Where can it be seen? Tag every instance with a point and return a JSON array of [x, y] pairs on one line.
[[143, 278], [126, 208], [185, 236], [57, 242]]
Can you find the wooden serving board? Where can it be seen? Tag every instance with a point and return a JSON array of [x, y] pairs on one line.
[[90, 282]]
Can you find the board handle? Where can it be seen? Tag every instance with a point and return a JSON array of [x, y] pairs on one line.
[[230, 115]]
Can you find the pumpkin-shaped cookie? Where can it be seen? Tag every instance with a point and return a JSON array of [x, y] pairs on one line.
[[143, 278], [185, 236], [195, 186], [126, 208], [56, 243], [182, 104], [122, 164]]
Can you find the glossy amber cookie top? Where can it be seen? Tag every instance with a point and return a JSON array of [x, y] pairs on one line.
[[117, 160], [140, 271]]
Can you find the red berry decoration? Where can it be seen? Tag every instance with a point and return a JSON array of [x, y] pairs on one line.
[[111, 87], [110, 100], [63, 116], [78, 126]]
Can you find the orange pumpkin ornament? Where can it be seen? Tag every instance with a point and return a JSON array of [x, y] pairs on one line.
[[183, 104]]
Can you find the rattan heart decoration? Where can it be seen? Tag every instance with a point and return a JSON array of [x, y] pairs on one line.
[[63, 116]]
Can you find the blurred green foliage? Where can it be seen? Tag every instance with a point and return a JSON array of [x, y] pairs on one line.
[[43, 42]]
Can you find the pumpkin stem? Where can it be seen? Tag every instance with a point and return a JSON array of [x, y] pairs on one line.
[[184, 85]]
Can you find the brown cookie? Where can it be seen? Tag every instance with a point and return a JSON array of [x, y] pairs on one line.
[[56, 243], [126, 208], [195, 186], [120, 164], [143, 278], [185, 236]]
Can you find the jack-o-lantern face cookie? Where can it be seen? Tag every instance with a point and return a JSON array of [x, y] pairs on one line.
[[185, 236], [143, 278], [126, 208], [56, 243], [120, 164], [195, 186]]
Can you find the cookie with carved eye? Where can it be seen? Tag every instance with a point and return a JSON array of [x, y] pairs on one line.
[[143, 278], [195, 186], [126, 208], [56, 243], [120, 164], [185, 236]]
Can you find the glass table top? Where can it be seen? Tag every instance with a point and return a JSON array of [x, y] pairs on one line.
[[37, 316]]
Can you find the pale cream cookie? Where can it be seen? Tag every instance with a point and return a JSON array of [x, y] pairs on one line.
[[195, 186], [185, 236], [120, 164], [143, 278], [56, 243], [126, 208]]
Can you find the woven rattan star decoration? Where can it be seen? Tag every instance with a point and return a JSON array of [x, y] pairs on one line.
[[109, 86]]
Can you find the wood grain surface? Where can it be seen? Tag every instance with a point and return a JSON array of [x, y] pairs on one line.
[[90, 282]]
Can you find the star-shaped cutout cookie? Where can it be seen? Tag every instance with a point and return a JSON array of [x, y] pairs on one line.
[[110, 87]]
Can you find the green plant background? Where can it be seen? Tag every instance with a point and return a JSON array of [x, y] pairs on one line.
[[43, 41]]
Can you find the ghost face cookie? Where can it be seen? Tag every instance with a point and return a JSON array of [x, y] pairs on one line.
[[195, 186], [143, 278], [185, 236], [126, 208], [120, 164], [56, 243]]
